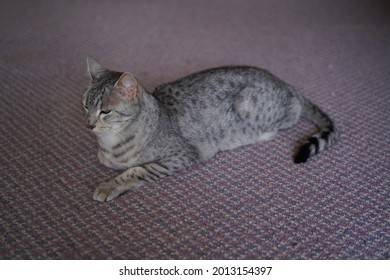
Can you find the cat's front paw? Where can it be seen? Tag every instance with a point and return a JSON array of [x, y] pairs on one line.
[[107, 191]]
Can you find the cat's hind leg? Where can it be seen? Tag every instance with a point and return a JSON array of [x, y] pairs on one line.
[[267, 110]]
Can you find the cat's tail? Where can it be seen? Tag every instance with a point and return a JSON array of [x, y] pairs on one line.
[[321, 140]]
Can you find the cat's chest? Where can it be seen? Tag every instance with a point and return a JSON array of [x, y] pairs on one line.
[[108, 141], [111, 160], [119, 153]]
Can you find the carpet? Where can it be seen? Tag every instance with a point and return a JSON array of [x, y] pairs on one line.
[[249, 203]]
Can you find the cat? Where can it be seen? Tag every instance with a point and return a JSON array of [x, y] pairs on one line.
[[188, 121]]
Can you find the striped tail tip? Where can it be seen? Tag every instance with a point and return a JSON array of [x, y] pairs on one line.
[[304, 153], [310, 148], [314, 145]]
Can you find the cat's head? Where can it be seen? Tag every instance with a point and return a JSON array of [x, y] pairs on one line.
[[112, 100]]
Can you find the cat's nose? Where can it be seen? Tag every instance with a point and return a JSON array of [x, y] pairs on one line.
[[90, 125]]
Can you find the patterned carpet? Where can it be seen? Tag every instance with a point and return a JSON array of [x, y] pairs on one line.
[[250, 203]]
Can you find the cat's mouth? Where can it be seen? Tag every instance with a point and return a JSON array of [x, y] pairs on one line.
[[100, 130]]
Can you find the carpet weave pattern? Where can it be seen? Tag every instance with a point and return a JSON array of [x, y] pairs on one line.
[[249, 203]]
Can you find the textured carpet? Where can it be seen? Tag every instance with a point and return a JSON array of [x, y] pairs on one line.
[[250, 203]]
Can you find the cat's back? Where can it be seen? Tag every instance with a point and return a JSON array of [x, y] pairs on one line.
[[205, 98], [211, 85]]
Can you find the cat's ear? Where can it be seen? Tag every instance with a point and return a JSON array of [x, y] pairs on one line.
[[94, 68], [128, 86]]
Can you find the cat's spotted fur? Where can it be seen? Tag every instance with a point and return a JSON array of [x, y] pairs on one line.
[[188, 121]]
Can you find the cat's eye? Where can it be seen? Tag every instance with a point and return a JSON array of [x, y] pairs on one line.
[[105, 112]]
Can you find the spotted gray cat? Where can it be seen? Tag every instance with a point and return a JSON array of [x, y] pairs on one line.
[[188, 121]]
